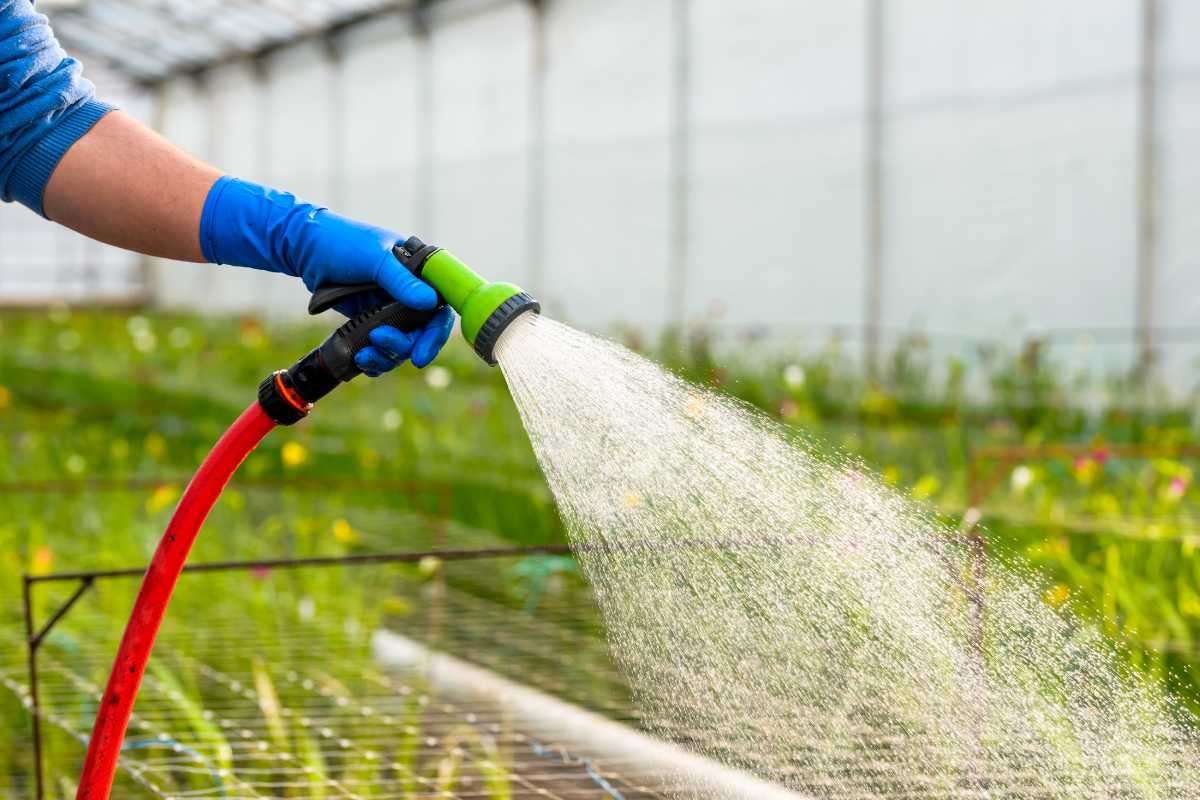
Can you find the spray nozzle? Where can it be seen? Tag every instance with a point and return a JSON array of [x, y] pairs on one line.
[[486, 308]]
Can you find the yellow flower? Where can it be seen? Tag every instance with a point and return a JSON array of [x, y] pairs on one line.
[[1057, 594], [926, 487], [1086, 470], [368, 459], [343, 532], [397, 605], [163, 497], [43, 560], [879, 403], [632, 499], [891, 475], [156, 446], [294, 454], [5, 397]]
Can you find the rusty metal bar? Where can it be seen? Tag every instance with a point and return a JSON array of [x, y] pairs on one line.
[[35, 704], [449, 554], [56, 485], [85, 583]]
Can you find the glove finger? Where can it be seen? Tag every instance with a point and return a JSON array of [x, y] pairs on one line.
[[393, 342], [370, 360], [432, 337], [404, 286]]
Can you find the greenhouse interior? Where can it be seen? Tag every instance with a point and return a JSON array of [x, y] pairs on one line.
[[772, 399]]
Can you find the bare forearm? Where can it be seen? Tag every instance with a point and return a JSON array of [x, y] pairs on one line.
[[124, 184]]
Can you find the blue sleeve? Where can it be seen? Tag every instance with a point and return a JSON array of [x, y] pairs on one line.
[[45, 103]]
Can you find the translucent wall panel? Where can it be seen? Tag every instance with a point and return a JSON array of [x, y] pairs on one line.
[[185, 117], [237, 114], [235, 109], [1009, 144], [777, 187], [1009, 147], [1179, 139], [380, 90], [479, 71], [300, 120], [607, 175], [1177, 296]]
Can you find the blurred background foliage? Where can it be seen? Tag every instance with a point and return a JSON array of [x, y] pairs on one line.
[[104, 415]]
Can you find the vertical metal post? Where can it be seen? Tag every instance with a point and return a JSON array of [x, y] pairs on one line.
[[31, 647], [873, 187], [680, 159], [535, 201], [262, 150], [1147, 188], [424, 121], [334, 48]]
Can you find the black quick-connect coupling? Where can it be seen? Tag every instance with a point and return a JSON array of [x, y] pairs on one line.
[[288, 395]]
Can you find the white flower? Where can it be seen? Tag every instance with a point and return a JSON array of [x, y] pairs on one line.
[[793, 375], [437, 377], [392, 418], [1022, 476]]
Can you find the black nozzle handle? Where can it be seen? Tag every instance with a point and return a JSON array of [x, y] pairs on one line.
[[288, 395], [339, 349]]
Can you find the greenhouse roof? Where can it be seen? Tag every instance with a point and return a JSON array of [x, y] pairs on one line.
[[148, 40]]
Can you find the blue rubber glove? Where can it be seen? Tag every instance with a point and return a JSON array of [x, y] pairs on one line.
[[248, 225]]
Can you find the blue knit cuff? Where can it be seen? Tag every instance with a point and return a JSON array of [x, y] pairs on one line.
[[29, 177]]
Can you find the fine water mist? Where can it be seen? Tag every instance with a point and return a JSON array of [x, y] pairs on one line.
[[776, 607]]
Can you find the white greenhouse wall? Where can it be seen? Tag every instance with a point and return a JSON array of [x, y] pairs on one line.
[[1008, 188]]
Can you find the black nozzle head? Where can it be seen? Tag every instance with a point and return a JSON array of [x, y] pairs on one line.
[[501, 318], [413, 253]]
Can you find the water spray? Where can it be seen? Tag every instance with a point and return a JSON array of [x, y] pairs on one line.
[[284, 398]]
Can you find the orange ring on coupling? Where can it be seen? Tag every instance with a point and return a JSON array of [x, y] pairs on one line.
[[289, 394]]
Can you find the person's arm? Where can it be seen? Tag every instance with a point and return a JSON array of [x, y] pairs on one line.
[[63, 154], [125, 185]]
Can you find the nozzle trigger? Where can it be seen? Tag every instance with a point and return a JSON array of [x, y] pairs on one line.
[[329, 295]]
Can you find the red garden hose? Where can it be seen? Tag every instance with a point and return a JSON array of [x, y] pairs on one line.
[[284, 397], [116, 705]]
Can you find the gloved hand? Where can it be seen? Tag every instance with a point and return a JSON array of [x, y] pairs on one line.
[[255, 226]]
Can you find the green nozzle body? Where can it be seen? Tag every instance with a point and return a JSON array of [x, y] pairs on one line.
[[486, 308]]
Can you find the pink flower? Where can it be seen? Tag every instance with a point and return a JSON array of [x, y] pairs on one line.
[[260, 572], [1177, 487]]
